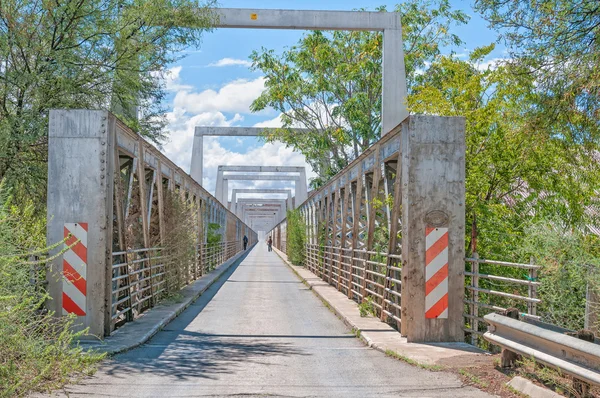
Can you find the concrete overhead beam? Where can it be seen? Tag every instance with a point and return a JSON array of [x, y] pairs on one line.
[[394, 109], [263, 169], [260, 177], [252, 18], [272, 191], [212, 131], [259, 201]]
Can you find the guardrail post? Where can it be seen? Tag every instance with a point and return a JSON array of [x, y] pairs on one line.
[[433, 228], [80, 201]]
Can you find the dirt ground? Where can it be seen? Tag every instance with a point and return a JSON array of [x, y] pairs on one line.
[[485, 373]]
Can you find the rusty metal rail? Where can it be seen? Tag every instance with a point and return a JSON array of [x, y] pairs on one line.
[[486, 292], [575, 357], [141, 277], [361, 275]]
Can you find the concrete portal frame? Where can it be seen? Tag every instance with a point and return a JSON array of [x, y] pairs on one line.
[[223, 180], [242, 203], [394, 109], [288, 192]]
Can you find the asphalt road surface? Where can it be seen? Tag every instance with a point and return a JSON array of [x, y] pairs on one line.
[[259, 331]]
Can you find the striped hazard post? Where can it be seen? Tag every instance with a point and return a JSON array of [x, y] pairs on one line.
[[436, 273], [74, 269]]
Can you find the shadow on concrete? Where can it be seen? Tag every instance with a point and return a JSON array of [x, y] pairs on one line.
[[184, 354], [198, 355]]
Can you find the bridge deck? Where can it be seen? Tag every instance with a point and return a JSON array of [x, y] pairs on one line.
[[260, 331]]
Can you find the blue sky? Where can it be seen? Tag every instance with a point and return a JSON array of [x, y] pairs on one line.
[[213, 86]]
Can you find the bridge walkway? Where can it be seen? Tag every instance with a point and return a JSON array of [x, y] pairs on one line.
[[259, 331]]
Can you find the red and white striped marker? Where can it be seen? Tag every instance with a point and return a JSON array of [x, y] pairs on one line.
[[75, 269], [436, 273]]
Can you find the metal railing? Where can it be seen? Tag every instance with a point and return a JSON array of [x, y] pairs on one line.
[[575, 357], [486, 292], [361, 275], [142, 277]]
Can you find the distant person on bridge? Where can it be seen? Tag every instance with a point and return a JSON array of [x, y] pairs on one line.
[[270, 243], [245, 241]]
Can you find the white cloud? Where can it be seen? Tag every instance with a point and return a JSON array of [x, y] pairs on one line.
[[491, 63], [235, 96], [179, 150], [270, 123], [230, 62], [214, 108], [173, 80]]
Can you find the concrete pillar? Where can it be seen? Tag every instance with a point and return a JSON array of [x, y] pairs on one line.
[[301, 188], [225, 193], [290, 202], [196, 169], [219, 186], [394, 108], [433, 216], [80, 199]]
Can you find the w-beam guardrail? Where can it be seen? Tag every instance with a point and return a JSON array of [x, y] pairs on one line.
[[575, 357], [389, 229], [137, 225]]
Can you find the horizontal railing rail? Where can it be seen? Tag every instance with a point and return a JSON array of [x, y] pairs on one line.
[[575, 357], [486, 292], [361, 275], [142, 277]]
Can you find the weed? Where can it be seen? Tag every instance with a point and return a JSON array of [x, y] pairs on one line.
[[474, 379], [367, 308], [433, 368]]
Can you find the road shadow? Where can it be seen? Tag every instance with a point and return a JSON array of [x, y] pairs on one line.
[[198, 355]]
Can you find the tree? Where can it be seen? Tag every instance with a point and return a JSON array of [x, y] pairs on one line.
[[96, 54], [332, 82], [516, 171], [557, 42]]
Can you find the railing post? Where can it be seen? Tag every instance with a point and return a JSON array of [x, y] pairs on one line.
[[475, 305], [433, 228], [532, 291]]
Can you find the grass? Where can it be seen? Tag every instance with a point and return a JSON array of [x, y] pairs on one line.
[[367, 308], [395, 355], [474, 379]]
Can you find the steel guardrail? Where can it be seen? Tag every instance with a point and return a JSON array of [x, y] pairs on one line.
[[575, 357]]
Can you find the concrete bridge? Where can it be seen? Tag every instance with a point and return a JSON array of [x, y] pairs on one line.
[[387, 232]]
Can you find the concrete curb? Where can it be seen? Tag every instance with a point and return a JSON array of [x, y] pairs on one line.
[[138, 332], [376, 334], [528, 388]]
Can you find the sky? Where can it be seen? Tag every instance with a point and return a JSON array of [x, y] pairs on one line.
[[213, 86]]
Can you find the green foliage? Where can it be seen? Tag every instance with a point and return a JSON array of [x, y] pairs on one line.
[[296, 237], [332, 82], [37, 350], [367, 307], [514, 168], [555, 42], [570, 266], [213, 236], [181, 241], [90, 54], [213, 247]]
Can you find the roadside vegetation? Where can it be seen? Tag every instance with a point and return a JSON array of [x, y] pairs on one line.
[[532, 131], [108, 54], [37, 350]]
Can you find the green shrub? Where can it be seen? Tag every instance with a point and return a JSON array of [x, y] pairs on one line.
[[570, 265], [37, 350], [296, 237]]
